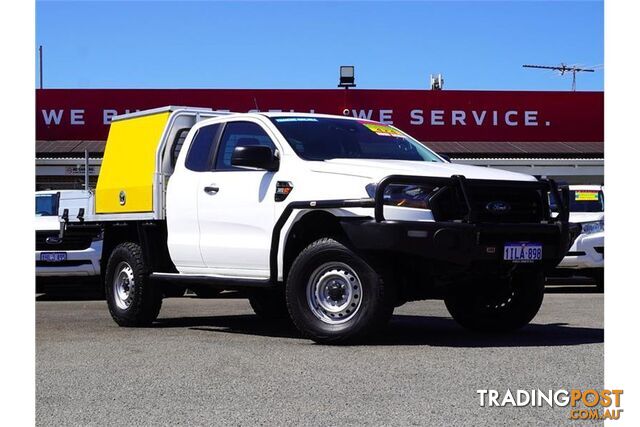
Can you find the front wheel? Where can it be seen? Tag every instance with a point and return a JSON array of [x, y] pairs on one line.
[[497, 304], [334, 296], [132, 299]]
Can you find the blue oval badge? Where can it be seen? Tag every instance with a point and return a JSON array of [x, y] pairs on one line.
[[498, 207]]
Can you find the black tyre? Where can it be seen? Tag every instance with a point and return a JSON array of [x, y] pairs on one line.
[[497, 305], [132, 299], [334, 296], [269, 304], [206, 292]]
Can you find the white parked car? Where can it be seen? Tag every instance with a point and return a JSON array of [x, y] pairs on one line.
[[77, 255], [586, 256]]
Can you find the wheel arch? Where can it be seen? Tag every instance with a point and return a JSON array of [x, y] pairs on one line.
[[150, 235], [307, 228]]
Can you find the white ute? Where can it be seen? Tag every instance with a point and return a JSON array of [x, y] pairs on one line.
[[56, 257], [329, 221], [586, 255]]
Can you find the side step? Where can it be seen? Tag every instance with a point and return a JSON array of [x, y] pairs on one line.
[[223, 283]]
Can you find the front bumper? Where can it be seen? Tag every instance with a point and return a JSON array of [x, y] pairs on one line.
[[84, 262], [459, 243], [586, 252]]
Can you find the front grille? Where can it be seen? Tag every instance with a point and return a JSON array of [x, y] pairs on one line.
[[69, 243], [525, 205]]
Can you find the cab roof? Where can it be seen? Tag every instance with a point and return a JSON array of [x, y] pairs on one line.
[[585, 187], [295, 114]]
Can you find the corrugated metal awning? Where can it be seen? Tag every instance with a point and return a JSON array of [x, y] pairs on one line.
[[69, 148], [479, 149], [519, 149]]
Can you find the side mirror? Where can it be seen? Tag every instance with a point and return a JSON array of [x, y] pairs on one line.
[[444, 156], [255, 156]]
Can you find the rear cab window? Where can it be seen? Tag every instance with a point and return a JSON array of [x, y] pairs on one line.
[[200, 152]]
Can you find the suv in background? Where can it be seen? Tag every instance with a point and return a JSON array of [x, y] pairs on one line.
[[586, 256], [70, 256]]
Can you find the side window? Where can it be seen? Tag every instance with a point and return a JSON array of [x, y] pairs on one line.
[[177, 145], [199, 155], [243, 133]]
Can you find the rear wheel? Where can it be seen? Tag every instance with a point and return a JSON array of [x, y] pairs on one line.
[[132, 300], [497, 304], [334, 295]]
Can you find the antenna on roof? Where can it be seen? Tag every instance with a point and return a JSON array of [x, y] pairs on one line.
[[562, 68], [255, 101]]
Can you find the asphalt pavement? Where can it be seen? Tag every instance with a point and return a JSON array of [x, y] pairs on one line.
[[212, 362]]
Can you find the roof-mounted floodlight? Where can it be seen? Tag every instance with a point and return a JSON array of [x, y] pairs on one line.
[[347, 76]]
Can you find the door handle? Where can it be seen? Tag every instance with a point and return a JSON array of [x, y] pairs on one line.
[[211, 189]]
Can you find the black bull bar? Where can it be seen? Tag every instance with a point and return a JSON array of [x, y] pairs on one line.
[[463, 241]]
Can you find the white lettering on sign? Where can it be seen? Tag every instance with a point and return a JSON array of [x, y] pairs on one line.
[[531, 118], [478, 119], [385, 117], [458, 116], [416, 117], [77, 117], [437, 117], [362, 115], [52, 116], [107, 115], [507, 118]]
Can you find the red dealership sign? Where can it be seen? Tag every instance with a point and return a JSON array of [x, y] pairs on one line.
[[447, 115]]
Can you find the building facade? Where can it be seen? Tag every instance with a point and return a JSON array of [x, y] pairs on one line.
[[554, 134]]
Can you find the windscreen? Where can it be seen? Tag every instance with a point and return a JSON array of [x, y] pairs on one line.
[[586, 201], [46, 204], [318, 138]]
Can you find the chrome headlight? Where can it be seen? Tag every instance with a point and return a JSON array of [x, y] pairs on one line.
[[410, 196], [592, 227]]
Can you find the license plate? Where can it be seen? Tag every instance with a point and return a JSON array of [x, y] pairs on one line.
[[53, 256], [522, 251]]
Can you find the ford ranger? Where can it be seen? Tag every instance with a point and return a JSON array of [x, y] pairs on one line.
[[328, 221]]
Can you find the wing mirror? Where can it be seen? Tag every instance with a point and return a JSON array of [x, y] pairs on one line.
[[255, 156]]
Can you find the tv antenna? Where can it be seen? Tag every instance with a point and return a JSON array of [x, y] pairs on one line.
[[562, 69]]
